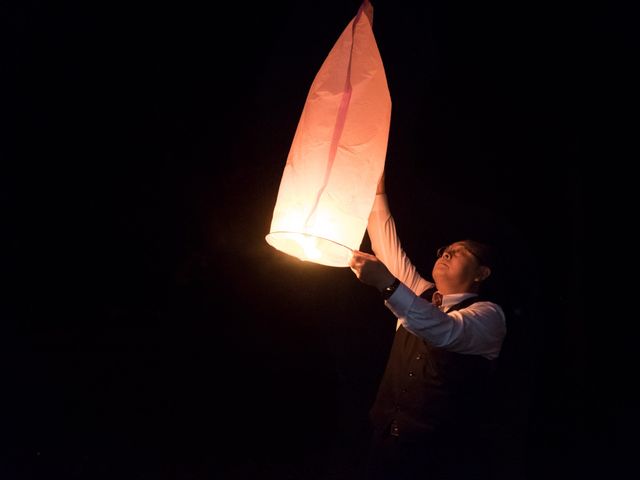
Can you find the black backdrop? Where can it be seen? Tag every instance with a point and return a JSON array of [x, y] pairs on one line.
[[152, 332]]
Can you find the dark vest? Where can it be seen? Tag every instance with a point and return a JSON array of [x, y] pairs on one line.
[[428, 392]]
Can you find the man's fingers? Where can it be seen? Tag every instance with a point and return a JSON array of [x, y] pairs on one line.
[[355, 263]]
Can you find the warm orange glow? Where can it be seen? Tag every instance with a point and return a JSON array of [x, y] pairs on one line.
[[338, 152]]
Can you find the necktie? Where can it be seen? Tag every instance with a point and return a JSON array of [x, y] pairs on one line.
[[436, 299]]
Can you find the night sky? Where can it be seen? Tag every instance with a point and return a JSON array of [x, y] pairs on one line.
[[151, 332]]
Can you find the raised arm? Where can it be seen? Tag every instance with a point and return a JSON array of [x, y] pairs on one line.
[[386, 244]]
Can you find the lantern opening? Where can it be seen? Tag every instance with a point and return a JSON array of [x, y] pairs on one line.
[[311, 248]]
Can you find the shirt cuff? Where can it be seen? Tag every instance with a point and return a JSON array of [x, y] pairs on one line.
[[400, 301]]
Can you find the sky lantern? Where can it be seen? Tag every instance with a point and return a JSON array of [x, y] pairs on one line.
[[338, 152]]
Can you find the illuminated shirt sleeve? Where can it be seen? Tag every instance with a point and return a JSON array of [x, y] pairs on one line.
[[386, 246]]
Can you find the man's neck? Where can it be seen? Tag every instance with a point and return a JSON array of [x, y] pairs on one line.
[[451, 290]]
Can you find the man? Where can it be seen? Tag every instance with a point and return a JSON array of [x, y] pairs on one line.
[[431, 404]]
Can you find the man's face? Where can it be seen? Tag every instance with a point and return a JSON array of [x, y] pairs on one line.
[[456, 267]]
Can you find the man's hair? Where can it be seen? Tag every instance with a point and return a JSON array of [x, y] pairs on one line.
[[483, 252]]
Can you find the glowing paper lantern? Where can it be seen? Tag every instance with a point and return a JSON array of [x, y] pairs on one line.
[[338, 152]]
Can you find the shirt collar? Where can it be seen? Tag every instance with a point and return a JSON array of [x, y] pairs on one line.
[[455, 298]]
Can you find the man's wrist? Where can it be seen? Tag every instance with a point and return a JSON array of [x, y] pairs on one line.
[[388, 291]]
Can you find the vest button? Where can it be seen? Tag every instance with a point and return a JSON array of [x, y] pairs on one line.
[[411, 374]]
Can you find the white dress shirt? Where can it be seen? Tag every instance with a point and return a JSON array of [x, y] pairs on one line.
[[477, 329]]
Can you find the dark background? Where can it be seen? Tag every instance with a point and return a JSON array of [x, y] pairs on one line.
[[150, 331]]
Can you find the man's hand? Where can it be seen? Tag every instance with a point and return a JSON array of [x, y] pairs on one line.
[[370, 270]]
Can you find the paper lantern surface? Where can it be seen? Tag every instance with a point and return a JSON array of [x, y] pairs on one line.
[[338, 152]]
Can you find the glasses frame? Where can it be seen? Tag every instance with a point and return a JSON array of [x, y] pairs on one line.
[[442, 250]]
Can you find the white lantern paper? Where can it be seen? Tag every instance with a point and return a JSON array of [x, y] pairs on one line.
[[338, 152]]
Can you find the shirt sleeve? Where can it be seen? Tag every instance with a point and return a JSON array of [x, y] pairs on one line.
[[478, 329], [386, 246]]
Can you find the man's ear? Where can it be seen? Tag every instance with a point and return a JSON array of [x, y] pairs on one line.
[[483, 273]]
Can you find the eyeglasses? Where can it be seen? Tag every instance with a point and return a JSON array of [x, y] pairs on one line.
[[449, 252]]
